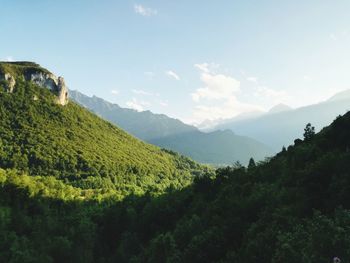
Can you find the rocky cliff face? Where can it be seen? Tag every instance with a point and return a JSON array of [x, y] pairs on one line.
[[10, 72], [51, 82], [11, 82]]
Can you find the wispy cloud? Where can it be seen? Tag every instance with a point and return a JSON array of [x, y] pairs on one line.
[[137, 104], [115, 92], [144, 11], [207, 67], [172, 74], [203, 67]]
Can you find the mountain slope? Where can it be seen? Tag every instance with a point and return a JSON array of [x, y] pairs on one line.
[[343, 95], [279, 108], [144, 125], [213, 148], [281, 128], [291, 208], [41, 137], [218, 147]]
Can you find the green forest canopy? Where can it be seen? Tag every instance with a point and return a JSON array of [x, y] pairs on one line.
[[291, 208], [73, 145]]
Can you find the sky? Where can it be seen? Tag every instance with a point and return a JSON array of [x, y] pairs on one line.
[[189, 59]]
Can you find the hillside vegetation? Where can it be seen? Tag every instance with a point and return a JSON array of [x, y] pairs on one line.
[[216, 148], [20, 68], [292, 208], [219, 148], [73, 145]]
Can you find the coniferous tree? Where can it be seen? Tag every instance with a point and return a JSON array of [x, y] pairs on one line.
[[251, 164], [309, 132]]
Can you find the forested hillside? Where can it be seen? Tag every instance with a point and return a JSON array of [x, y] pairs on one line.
[[216, 148], [144, 125], [207, 131], [291, 208], [68, 143]]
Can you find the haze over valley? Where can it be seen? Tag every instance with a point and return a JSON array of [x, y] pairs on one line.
[[174, 131]]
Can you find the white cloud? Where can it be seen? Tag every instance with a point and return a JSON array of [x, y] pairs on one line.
[[216, 86], [217, 96], [207, 67], [115, 92], [134, 105], [172, 74], [144, 11], [137, 105], [203, 67]]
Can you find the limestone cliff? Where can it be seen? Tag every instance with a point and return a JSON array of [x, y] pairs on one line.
[[28, 71], [10, 81]]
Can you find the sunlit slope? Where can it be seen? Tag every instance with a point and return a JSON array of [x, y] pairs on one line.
[[39, 137]]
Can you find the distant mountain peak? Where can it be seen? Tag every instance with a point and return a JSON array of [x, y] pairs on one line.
[[342, 95], [280, 108]]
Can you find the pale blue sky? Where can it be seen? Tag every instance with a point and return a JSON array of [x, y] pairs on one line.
[[188, 59]]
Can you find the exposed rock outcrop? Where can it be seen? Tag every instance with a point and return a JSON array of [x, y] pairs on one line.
[[11, 82], [51, 82], [62, 91], [32, 72]]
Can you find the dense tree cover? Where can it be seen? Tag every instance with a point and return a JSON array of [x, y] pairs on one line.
[[69, 143], [19, 68], [60, 203], [216, 148], [292, 208]]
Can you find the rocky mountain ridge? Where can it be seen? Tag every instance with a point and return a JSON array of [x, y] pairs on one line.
[[10, 72]]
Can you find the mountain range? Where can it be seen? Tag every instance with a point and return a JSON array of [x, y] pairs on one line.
[[278, 128], [255, 134], [218, 147]]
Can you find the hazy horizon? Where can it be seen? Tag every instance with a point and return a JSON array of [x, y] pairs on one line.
[[189, 60]]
